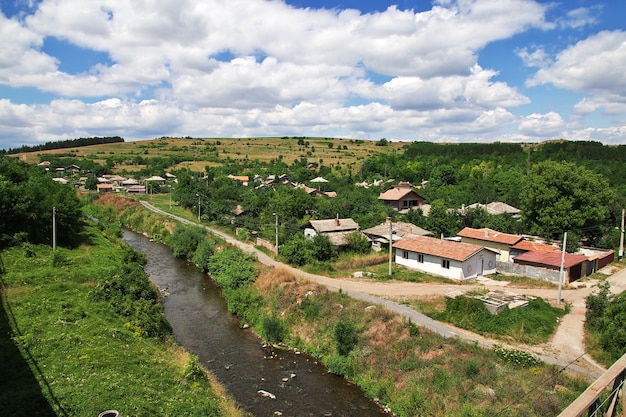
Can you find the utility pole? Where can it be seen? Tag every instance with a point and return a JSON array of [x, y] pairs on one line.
[[621, 240], [198, 207], [170, 197], [276, 246], [54, 228], [561, 272], [390, 243]]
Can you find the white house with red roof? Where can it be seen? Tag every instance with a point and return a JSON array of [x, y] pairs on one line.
[[492, 239], [454, 260]]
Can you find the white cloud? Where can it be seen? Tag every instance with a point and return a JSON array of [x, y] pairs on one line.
[[542, 125], [289, 71], [594, 65]]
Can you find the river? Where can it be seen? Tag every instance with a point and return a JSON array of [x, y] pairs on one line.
[[202, 325]]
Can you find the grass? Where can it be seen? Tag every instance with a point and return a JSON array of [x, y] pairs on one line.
[[196, 153], [410, 369], [72, 356], [532, 324]]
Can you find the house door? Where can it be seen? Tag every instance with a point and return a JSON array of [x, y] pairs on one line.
[[481, 263]]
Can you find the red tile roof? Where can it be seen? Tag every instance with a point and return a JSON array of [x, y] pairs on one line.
[[489, 235], [550, 259], [527, 245], [457, 251], [398, 192]]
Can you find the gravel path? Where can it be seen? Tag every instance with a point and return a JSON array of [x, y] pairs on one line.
[[565, 349]]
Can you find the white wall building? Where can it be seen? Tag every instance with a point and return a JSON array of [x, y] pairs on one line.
[[454, 260]]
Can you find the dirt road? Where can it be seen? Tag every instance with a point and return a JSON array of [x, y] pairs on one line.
[[565, 348]]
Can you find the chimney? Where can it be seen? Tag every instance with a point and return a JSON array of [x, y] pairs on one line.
[[337, 220], [486, 233]]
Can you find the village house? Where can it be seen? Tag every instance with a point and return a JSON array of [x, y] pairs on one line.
[[379, 235], [243, 179], [573, 266], [499, 242], [494, 208], [454, 260], [336, 229], [402, 197]]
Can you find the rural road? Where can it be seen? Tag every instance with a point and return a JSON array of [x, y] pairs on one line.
[[565, 349]]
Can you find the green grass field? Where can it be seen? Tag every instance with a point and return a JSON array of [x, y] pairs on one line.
[[65, 354]]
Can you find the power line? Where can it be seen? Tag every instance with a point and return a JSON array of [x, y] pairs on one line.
[[534, 388]]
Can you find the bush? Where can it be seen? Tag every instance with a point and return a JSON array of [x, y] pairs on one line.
[[272, 330], [358, 243], [203, 254], [232, 268], [517, 358], [345, 337], [338, 365], [613, 337], [244, 302], [597, 303], [185, 240]]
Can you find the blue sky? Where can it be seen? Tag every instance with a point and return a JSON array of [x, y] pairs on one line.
[[442, 71]]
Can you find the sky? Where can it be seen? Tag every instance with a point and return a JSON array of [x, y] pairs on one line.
[[405, 70]]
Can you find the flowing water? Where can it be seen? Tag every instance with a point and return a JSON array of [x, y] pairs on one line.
[[203, 326]]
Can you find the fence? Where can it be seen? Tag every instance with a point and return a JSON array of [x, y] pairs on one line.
[[590, 401]]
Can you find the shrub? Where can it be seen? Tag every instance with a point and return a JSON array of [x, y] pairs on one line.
[[244, 302], [613, 337], [232, 268], [517, 358], [272, 329], [203, 254], [345, 337], [338, 365], [358, 243], [185, 240], [596, 303]]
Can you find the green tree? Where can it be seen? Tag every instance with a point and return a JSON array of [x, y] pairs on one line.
[[558, 197], [442, 221], [345, 337], [91, 183], [184, 240], [613, 338]]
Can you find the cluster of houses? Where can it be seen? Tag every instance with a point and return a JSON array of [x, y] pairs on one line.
[[471, 253]]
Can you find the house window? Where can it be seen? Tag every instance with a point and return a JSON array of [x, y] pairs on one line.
[[405, 254], [445, 263], [420, 258]]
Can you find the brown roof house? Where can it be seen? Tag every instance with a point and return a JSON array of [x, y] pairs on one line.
[[454, 260], [336, 229], [402, 197], [499, 242], [379, 235]]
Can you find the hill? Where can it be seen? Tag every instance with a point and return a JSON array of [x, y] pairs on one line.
[[196, 153]]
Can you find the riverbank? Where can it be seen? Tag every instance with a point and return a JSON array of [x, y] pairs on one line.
[[66, 352], [403, 366]]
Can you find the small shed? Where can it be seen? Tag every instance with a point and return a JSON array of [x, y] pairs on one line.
[[574, 265]]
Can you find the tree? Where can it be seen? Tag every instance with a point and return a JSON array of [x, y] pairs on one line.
[[442, 221], [91, 183], [558, 197]]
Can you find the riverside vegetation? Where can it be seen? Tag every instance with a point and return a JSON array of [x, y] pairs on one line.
[[83, 331], [407, 368]]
